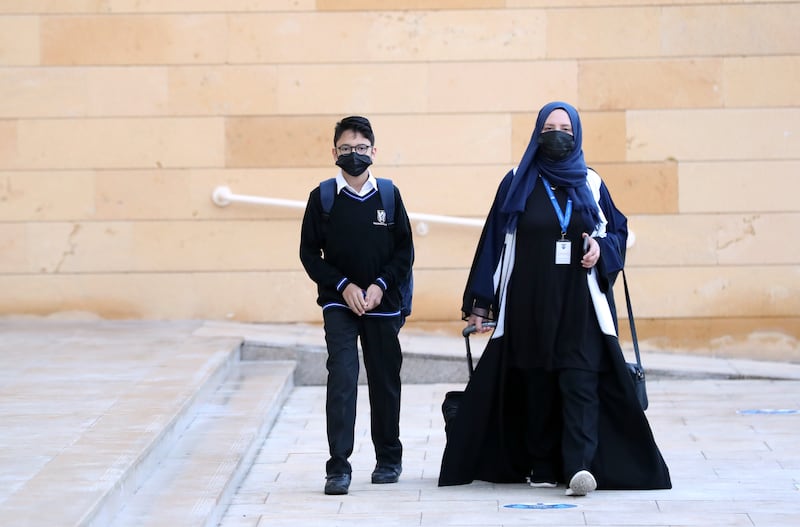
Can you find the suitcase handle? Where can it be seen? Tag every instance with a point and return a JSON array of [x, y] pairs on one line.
[[469, 330]]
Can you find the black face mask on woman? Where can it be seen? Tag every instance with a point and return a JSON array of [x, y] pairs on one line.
[[354, 163], [556, 145]]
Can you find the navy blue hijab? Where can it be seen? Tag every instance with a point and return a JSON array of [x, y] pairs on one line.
[[569, 173]]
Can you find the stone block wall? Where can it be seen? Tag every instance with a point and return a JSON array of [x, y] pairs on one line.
[[118, 118]]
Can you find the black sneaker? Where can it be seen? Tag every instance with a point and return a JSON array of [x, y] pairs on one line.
[[337, 484], [386, 473]]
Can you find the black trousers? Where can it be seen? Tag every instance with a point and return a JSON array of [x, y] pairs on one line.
[[562, 415], [382, 361]]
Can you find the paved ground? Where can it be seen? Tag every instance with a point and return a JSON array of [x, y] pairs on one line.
[[728, 468], [733, 462], [74, 397]]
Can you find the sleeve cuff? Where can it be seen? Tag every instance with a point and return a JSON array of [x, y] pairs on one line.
[[480, 311], [380, 282]]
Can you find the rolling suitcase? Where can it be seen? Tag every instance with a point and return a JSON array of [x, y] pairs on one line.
[[453, 398]]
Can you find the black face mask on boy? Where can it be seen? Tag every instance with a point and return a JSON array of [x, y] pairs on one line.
[[556, 145], [354, 163]]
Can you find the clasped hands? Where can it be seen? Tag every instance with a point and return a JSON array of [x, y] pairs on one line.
[[360, 301]]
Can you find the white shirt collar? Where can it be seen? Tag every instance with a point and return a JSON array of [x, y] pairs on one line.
[[369, 184]]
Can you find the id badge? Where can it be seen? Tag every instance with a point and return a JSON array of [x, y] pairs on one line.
[[563, 252]]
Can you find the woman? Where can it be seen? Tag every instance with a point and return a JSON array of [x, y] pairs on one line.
[[551, 400]]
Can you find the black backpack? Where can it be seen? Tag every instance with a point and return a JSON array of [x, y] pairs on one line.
[[327, 192]]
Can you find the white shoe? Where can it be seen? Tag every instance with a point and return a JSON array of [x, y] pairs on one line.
[[581, 484], [543, 484]]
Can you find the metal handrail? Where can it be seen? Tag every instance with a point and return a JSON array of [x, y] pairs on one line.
[[223, 196]]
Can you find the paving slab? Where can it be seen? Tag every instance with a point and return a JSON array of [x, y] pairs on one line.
[[88, 408], [78, 397], [195, 480], [729, 467]]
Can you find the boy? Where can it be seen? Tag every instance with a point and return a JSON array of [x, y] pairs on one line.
[[358, 259]]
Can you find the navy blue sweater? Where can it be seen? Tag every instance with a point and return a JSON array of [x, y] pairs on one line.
[[355, 244]]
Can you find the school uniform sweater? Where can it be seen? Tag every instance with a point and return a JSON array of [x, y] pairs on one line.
[[356, 244]]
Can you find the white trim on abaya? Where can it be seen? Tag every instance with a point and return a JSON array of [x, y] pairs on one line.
[[502, 273]]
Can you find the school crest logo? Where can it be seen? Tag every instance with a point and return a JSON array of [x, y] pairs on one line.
[[381, 217]]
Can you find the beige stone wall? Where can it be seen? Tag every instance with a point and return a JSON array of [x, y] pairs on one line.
[[118, 118]]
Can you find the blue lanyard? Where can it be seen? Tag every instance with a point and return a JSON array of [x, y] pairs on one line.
[[563, 217]]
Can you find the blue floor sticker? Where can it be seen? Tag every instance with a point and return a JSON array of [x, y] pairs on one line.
[[769, 411], [539, 506]]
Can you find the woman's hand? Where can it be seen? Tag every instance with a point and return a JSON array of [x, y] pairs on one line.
[[592, 253], [475, 320]]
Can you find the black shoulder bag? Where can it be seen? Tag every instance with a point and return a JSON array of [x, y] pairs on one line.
[[635, 368]]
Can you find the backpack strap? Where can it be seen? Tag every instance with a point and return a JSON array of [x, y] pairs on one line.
[[327, 191], [386, 190]]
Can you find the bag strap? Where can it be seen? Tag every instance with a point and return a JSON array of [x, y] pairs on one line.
[[630, 319], [327, 191], [386, 190]]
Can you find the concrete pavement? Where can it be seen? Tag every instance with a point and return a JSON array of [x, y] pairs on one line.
[[202, 423], [728, 469]]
